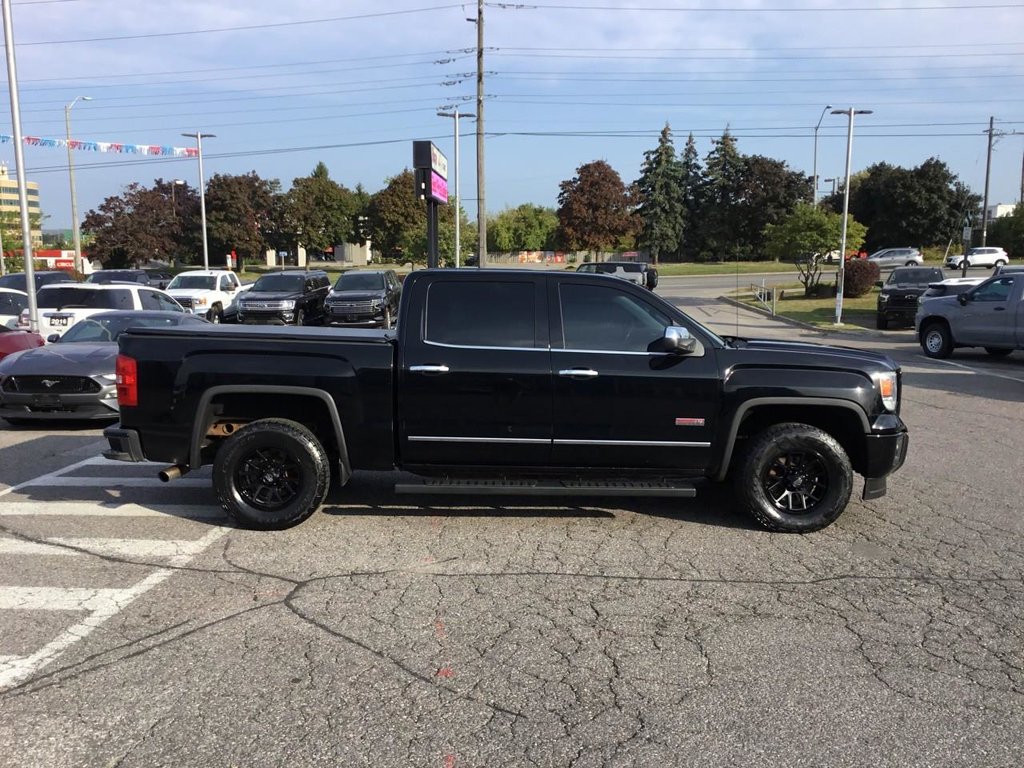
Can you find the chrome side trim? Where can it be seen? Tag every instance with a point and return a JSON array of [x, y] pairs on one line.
[[636, 443], [429, 343], [517, 440]]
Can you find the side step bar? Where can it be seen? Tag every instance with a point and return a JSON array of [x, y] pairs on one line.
[[505, 487]]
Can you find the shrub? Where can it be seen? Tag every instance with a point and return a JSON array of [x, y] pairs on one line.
[[861, 276]]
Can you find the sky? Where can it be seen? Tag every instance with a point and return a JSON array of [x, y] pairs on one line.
[[353, 82]]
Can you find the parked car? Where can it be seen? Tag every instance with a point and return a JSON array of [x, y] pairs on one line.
[[364, 297], [104, 276], [978, 257], [15, 340], [158, 278], [18, 282], [638, 272], [522, 382], [74, 378], [951, 286], [12, 304], [897, 301], [289, 297], [897, 257], [63, 305], [206, 292], [990, 315]]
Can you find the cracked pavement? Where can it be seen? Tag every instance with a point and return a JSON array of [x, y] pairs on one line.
[[389, 632]]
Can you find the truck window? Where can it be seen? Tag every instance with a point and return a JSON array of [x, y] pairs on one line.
[[997, 290], [603, 318], [481, 314]]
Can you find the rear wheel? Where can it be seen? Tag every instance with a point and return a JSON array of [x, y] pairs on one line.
[[936, 340], [270, 474], [998, 351], [795, 478]]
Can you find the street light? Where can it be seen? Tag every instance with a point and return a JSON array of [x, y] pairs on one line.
[[814, 171], [455, 114], [846, 207], [198, 136], [75, 235]]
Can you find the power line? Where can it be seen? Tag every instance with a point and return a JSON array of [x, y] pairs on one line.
[[741, 9]]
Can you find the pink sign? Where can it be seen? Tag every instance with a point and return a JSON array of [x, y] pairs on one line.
[[438, 188]]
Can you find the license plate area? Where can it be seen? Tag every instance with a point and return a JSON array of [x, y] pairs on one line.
[[60, 321], [46, 401]]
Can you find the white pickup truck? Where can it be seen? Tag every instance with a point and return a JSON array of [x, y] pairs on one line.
[[206, 292]]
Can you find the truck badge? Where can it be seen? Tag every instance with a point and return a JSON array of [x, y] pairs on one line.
[[689, 422]]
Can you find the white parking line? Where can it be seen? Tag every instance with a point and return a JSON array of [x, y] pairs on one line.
[[97, 509], [132, 548], [976, 371], [22, 547]]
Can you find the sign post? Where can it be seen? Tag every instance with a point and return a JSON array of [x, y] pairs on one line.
[[430, 167], [968, 231]]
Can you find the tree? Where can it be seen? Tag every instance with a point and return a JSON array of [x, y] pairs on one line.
[[241, 214], [661, 209], [524, 228], [396, 218], [595, 210], [921, 206], [722, 212], [321, 211], [143, 223], [692, 183], [1008, 232], [767, 193], [804, 235]]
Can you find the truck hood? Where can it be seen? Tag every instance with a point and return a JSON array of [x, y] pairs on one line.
[[905, 288], [78, 359], [272, 296], [189, 292], [817, 355], [355, 295]]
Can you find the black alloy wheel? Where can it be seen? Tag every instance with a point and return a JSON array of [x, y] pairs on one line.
[[794, 478], [271, 474]]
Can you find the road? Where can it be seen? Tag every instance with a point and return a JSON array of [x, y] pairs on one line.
[[138, 629]]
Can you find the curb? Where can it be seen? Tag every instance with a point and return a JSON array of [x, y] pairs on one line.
[[798, 323]]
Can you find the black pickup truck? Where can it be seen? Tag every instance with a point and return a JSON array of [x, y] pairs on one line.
[[515, 382]]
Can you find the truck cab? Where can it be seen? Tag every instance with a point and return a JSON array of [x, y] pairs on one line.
[[990, 315]]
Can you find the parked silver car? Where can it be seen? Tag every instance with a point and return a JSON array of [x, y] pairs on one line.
[[897, 257]]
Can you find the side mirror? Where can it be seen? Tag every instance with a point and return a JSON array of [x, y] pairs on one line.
[[676, 340], [963, 298], [879, 284], [53, 338]]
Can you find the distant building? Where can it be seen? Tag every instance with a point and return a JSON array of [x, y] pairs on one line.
[[10, 212], [1000, 209]]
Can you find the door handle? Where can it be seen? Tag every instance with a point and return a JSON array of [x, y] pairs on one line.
[[435, 370], [998, 309], [579, 373]]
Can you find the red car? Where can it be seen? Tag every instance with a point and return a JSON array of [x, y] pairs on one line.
[[12, 340]]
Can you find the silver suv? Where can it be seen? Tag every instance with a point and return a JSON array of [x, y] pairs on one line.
[[978, 257], [897, 257]]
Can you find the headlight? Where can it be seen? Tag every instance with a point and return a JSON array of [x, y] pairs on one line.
[[883, 297], [288, 304], [200, 301], [888, 388], [109, 377]]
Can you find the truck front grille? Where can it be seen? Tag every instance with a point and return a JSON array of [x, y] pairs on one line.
[[186, 303], [351, 307]]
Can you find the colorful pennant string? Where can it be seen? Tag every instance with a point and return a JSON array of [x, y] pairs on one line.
[[104, 146]]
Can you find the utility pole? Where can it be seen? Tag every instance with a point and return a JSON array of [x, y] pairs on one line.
[[988, 174], [481, 198]]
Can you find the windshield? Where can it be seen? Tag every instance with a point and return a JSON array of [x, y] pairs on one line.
[[97, 298], [193, 283], [17, 282], [360, 281], [917, 276], [275, 283], [107, 329]]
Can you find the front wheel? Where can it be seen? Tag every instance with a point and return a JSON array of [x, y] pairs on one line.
[[387, 317], [999, 263], [215, 315], [881, 322], [795, 478], [936, 341], [271, 474], [300, 317]]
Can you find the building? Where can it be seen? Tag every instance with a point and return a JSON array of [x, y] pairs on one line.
[[10, 212], [999, 210]]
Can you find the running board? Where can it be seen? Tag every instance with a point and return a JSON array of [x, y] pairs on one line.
[[546, 488]]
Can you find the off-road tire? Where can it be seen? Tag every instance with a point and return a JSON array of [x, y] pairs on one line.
[[271, 474], [936, 340], [822, 478]]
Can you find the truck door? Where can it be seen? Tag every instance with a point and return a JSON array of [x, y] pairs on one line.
[[474, 372], [989, 318], [615, 403]]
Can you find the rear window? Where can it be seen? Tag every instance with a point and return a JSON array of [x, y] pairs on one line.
[[497, 313], [17, 282], [56, 297]]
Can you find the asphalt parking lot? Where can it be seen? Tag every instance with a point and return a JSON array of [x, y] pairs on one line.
[[139, 629]]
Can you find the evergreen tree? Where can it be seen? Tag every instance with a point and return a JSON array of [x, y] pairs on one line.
[[691, 185], [722, 209], [661, 208]]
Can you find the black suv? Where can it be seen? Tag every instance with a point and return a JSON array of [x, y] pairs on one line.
[[364, 297], [898, 298], [290, 297], [139, 276], [17, 281]]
